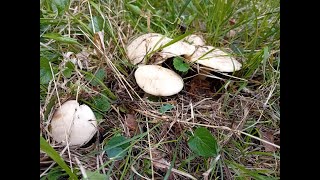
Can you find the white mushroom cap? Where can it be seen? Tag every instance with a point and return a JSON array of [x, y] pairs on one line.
[[80, 120], [144, 44], [158, 81], [216, 59], [195, 40], [177, 49]]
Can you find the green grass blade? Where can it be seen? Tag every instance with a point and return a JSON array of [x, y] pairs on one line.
[[60, 38], [183, 8], [46, 147], [172, 42]]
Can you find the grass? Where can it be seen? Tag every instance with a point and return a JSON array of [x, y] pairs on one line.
[[241, 113]]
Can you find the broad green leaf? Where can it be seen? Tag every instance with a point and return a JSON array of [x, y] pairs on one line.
[[99, 76], [117, 152], [53, 56], [96, 176], [98, 24], [46, 147], [98, 116], [165, 108], [60, 6], [60, 38], [134, 9], [102, 103], [203, 143], [67, 72], [180, 65], [45, 71]]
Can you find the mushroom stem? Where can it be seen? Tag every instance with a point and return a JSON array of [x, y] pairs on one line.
[[202, 74]]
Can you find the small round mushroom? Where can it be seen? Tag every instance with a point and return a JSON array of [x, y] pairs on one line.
[[146, 43], [158, 81], [74, 123], [216, 59], [195, 40]]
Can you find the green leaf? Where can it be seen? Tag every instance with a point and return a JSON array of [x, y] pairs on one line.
[[165, 108], [114, 151], [180, 65], [98, 24], [45, 71], [53, 56], [203, 143], [97, 115], [45, 146], [102, 103], [60, 6], [96, 176], [99, 76], [60, 38], [134, 9], [67, 72]]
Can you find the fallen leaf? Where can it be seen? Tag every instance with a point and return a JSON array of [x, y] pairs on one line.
[[83, 56], [131, 122], [69, 57], [99, 46], [268, 136]]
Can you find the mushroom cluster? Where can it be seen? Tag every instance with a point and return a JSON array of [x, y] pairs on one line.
[[73, 123], [159, 81]]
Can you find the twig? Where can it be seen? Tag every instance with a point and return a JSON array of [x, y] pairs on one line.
[[83, 171]]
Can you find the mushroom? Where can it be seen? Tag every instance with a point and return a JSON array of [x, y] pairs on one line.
[[74, 123], [177, 49], [215, 58], [158, 81], [195, 40], [147, 43]]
